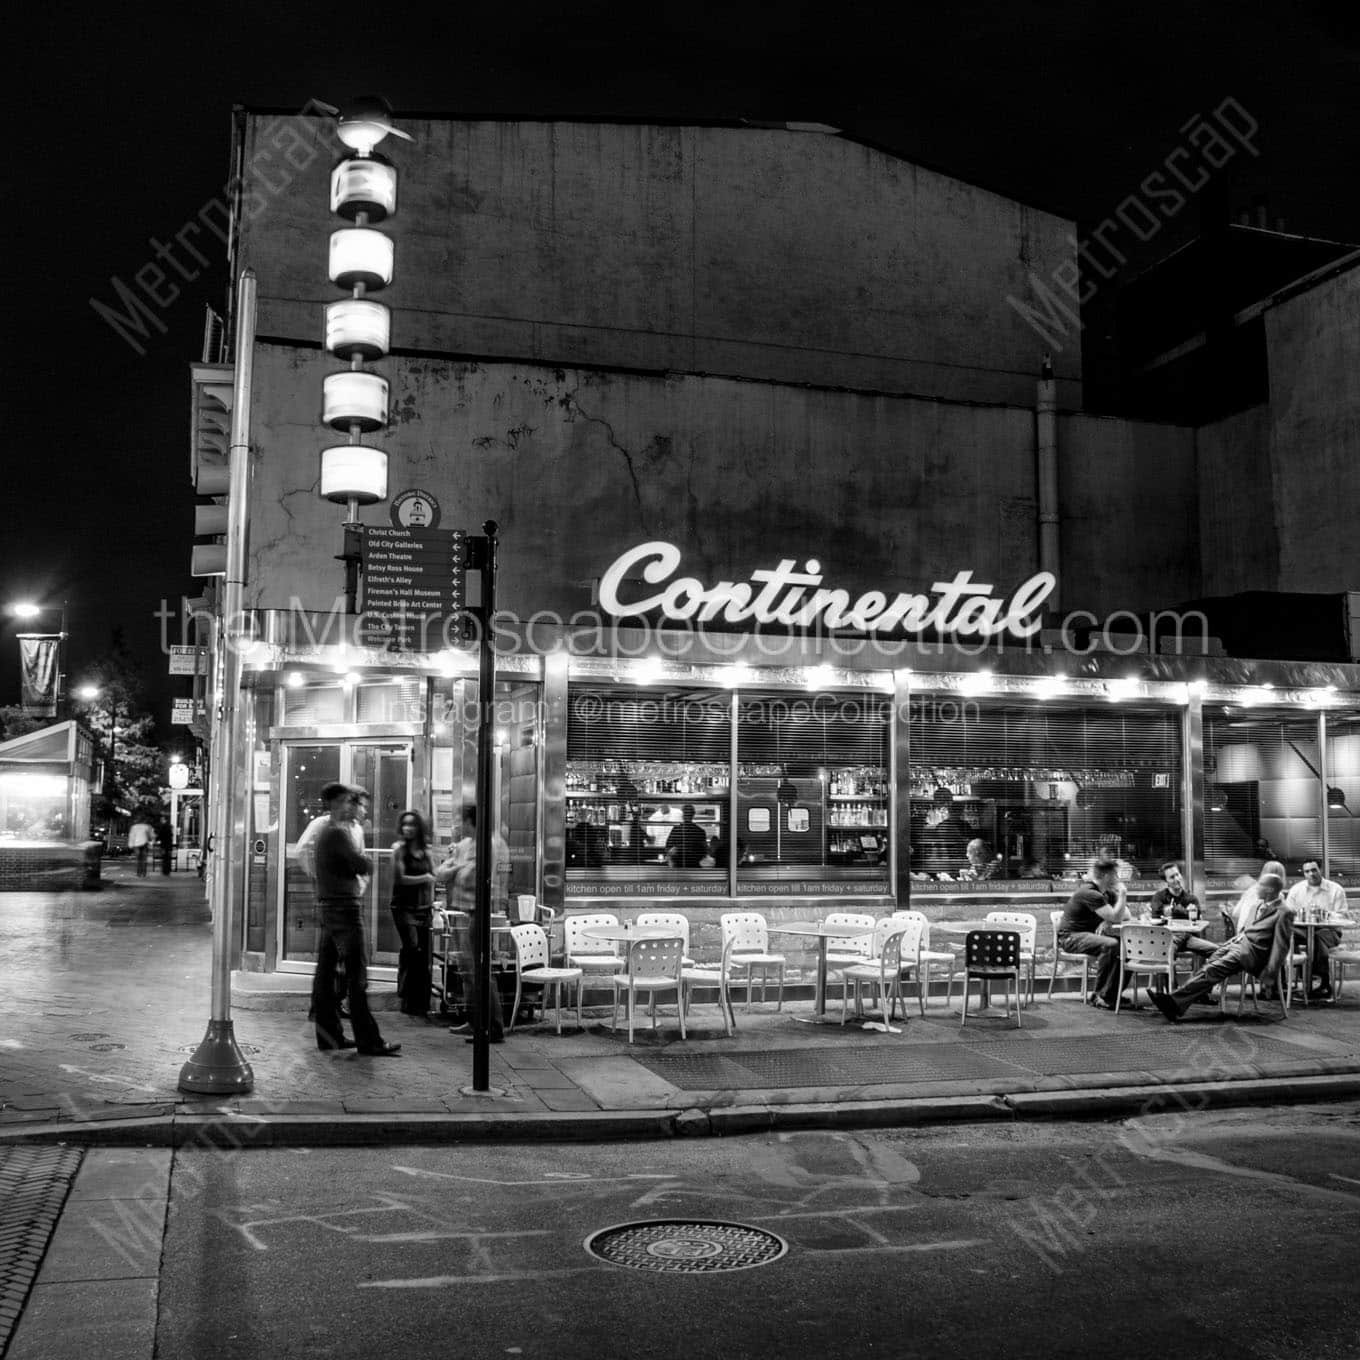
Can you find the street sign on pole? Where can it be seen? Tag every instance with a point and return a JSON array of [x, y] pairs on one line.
[[188, 660], [412, 587], [181, 712]]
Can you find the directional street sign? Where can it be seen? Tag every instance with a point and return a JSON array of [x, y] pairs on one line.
[[412, 586]]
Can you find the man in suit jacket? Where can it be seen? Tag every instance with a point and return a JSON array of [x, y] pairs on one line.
[[1261, 947]]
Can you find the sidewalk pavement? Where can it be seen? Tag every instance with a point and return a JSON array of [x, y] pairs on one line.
[[104, 995]]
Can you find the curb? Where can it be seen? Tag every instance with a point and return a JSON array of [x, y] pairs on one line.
[[748, 1113]]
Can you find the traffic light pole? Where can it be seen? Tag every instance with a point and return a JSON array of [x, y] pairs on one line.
[[218, 1066], [482, 553]]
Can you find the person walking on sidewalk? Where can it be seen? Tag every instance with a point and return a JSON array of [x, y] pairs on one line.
[[165, 838], [459, 871], [412, 907], [1261, 947], [140, 837], [338, 869], [1097, 902]]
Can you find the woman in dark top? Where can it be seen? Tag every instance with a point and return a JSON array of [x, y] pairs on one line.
[[412, 904]]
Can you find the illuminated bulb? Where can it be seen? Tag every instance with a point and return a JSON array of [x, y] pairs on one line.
[[294, 680]]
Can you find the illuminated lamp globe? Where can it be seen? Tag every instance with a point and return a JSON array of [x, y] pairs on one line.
[[25, 610], [354, 399], [358, 329], [360, 255], [366, 122], [354, 472], [178, 776], [364, 185]]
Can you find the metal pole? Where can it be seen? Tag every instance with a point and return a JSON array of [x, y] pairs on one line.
[[218, 1066], [486, 714]]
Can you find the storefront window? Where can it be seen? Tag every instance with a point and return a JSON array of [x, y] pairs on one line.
[[1343, 798], [1261, 791], [648, 790], [813, 792], [1009, 790]]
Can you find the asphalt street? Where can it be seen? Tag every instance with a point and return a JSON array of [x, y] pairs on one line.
[[1226, 1232]]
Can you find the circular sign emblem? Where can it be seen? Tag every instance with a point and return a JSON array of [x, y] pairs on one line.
[[415, 509], [179, 776]]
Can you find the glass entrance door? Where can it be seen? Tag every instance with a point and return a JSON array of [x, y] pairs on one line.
[[383, 770]]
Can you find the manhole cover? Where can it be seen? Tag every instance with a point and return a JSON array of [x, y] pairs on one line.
[[674, 1245], [88, 1038], [106, 1048]]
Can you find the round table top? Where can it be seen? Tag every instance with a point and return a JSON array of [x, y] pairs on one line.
[[1178, 925], [820, 930], [963, 927], [629, 931]]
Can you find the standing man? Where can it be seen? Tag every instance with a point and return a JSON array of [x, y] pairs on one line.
[[459, 871], [1322, 898], [165, 838], [1261, 947], [687, 844], [1097, 902], [1172, 902], [339, 867]]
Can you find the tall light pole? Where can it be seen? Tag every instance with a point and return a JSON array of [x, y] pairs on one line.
[[92, 694]]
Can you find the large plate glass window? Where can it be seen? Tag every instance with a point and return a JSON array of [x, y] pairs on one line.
[[648, 789], [814, 802], [1005, 790]]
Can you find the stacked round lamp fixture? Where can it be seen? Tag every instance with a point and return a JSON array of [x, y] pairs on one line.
[[359, 330]]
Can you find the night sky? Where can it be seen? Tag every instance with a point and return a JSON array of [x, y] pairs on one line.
[[120, 132]]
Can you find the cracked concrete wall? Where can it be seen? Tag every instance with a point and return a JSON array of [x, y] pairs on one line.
[[750, 252], [888, 492]]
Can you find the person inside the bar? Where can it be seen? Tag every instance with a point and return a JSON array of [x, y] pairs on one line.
[[686, 845], [981, 862], [1260, 947], [1097, 902], [1172, 902]]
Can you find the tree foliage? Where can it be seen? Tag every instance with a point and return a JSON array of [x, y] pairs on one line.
[[135, 776], [15, 721]]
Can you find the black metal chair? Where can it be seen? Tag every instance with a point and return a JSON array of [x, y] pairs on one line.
[[992, 956]]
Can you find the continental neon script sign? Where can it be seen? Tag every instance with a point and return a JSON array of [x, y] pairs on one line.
[[794, 598]]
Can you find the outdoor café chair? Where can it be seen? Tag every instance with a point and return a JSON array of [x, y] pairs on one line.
[[750, 937], [925, 956], [1061, 956], [590, 956], [669, 920], [532, 969], [653, 966], [860, 949], [884, 974], [1028, 927], [992, 956], [1342, 957], [693, 975], [1146, 950]]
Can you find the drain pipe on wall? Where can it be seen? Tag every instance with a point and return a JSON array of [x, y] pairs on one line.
[[1046, 470]]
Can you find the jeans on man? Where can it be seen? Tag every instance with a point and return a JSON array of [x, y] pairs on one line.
[[466, 960], [342, 938], [1104, 949]]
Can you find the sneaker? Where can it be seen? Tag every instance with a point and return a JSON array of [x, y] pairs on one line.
[[381, 1051], [1101, 1004], [460, 1029]]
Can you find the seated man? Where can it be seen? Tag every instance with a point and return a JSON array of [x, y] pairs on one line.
[[1098, 901], [1324, 899], [1261, 947], [1173, 902]]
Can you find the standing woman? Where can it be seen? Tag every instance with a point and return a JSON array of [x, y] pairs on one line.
[[412, 904]]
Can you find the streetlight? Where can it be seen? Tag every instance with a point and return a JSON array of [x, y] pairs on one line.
[[42, 658], [91, 694]]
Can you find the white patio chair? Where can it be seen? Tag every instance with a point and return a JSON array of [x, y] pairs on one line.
[[653, 966], [1061, 956], [532, 969], [669, 920], [591, 956], [1028, 927], [695, 975], [750, 937], [926, 957], [1148, 951], [883, 974]]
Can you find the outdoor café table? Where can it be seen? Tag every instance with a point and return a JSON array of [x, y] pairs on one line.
[[1310, 924], [821, 932]]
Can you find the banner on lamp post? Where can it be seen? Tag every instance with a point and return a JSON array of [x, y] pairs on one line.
[[39, 655]]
